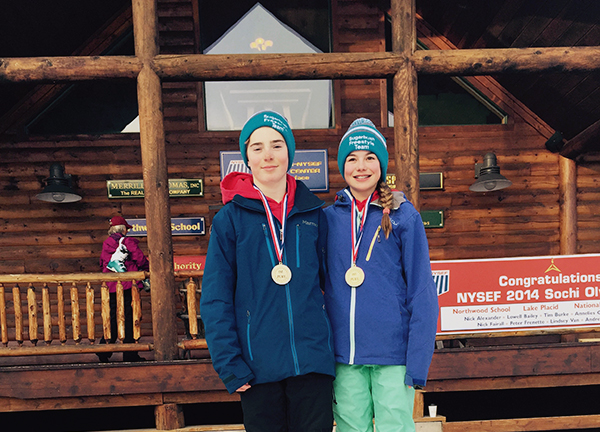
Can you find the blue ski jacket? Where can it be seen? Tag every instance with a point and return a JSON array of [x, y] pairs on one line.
[[391, 319], [258, 331]]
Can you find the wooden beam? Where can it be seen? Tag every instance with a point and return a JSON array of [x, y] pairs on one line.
[[93, 379], [67, 69], [284, 66], [405, 101], [515, 361], [525, 424], [586, 141], [507, 60], [568, 206], [200, 67], [156, 183]]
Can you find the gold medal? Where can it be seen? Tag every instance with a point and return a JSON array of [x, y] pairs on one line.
[[355, 276], [281, 274]]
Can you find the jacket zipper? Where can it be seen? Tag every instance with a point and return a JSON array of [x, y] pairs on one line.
[[288, 300], [352, 324], [291, 325], [375, 237]]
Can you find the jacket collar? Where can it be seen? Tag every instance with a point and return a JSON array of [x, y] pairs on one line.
[[399, 197], [304, 201]]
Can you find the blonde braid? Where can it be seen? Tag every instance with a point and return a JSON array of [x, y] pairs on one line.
[[386, 199]]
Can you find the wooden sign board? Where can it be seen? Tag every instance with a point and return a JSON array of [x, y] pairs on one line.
[[135, 188], [519, 294]]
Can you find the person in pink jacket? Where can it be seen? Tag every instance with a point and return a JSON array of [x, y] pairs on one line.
[[121, 254]]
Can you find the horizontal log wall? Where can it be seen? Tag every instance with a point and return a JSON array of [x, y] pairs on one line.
[[39, 237]]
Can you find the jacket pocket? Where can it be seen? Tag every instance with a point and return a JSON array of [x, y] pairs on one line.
[[269, 241], [375, 237], [248, 336], [329, 333], [297, 245]]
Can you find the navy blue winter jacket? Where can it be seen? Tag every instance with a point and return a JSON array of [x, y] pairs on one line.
[[258, 331]]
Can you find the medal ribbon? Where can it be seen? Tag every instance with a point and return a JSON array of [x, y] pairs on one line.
[[277, 240], [358, 220]]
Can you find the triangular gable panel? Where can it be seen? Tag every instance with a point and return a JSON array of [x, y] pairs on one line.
[[306, 104]]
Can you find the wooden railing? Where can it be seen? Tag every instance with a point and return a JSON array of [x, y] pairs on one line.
[[62, 310]]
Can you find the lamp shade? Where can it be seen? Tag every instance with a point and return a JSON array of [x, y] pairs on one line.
[[488, 176], [58, 187]]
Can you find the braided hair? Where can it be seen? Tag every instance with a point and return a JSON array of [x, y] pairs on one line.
[[386, 199]]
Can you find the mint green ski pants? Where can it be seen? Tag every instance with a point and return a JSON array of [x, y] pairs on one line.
[[364, 392]]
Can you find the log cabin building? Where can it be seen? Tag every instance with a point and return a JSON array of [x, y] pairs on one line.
[[447, 82]]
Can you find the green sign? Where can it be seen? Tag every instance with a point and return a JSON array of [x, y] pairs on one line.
[[135, 188], [433, 218]]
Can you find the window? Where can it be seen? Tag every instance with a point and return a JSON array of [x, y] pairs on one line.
[[271, 28], [444, 100]]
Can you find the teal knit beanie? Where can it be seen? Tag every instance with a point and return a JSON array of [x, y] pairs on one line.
[[273, 120], [363, 135]]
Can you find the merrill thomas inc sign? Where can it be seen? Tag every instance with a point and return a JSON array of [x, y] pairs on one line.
[[135, 188]]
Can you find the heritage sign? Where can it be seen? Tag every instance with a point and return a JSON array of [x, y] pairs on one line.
[[518, 294], [135, 188]]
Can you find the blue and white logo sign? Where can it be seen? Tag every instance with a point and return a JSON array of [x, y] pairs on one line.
[[310, 166], [179, 226]]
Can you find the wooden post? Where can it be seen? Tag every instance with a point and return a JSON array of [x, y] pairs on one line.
[[32, 311], [136, 306], [120, 312], [105, 295], [75, 322], [419, 405], [46, 314], [18, 314], [62, 327], [3, 323], [568, 206], [156, 185], [405, 101], [191, 308], [90, 313], [168, 417]]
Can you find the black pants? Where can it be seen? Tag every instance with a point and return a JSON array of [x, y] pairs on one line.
[[296, 404], [128, 355]]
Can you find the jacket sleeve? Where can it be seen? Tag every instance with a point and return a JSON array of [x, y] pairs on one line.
[[136, 254], [422, 302], [217, 306]]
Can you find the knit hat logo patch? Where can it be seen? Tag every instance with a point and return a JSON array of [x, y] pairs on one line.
[[276, 124], [363, 135], [273, 120], [361, 142]]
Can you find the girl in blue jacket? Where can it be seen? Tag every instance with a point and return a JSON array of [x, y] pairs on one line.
[[380, 297], [262, 302]]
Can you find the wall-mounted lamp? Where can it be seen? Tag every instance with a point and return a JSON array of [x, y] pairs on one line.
[[58, 189], [488, 175]]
